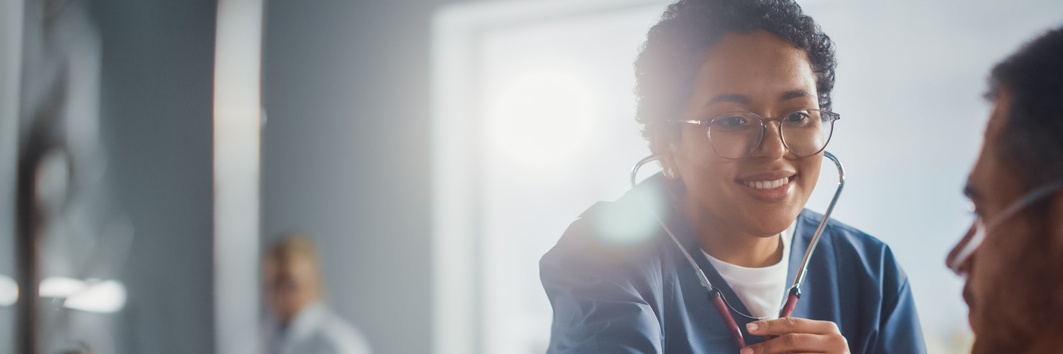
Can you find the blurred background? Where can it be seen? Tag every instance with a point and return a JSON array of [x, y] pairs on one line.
[[433, 149]]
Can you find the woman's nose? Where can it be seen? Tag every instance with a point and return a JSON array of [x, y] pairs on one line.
[[771, 146]]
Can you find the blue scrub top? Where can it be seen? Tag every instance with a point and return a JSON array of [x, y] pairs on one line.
[[611, 294]]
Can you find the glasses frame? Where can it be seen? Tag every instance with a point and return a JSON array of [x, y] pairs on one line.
[[831, 117]]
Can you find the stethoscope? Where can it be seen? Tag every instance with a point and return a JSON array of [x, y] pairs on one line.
[[714, 294]]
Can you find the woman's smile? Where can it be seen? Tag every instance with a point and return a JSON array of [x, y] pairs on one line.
[[771, 187]]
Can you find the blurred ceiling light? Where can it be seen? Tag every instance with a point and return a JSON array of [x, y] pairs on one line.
[[61, 287], [108, 296], [8, 291], [97, 296], [543, 117]]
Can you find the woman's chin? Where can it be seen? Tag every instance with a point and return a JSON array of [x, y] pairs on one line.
[[760, 227], [769, 220]]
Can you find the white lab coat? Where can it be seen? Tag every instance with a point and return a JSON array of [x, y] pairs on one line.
[[315, 330]]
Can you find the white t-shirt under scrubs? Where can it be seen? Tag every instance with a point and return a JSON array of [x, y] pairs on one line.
[[762, 290]]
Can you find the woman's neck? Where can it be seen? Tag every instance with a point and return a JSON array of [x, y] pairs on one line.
[[729, 244]]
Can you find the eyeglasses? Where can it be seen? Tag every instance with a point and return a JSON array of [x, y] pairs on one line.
[[736, 135], [970, 242]]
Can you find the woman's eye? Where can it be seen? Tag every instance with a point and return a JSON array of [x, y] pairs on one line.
[[730, 122], [796, 117]]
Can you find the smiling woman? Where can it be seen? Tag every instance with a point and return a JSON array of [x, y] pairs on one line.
[[734, 97], [755, 72]]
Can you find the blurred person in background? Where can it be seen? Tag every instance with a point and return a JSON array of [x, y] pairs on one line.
[[734, 97], [299, 322], [1012, 256]]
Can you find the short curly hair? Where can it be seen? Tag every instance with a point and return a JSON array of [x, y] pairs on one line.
[[668, 62], [1033, 136]]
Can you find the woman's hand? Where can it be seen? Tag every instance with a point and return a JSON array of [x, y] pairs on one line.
[[797, 335]]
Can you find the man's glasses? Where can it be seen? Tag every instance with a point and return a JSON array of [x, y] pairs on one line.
[[736, 135]]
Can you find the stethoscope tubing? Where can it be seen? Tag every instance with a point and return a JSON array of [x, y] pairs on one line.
[[795, 290], [714, 295]]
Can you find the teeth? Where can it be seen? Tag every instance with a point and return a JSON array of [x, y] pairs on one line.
[[767, 184]]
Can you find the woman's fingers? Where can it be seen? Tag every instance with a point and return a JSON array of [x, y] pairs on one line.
[[791, 325], [797, 335], [799, 342]]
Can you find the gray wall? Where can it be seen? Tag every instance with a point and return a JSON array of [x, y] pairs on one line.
[[10, 58], [346, 155], [345, 158], [156, 126]]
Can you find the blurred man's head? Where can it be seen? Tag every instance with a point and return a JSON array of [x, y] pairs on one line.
[[291, 276], [1015, 277]]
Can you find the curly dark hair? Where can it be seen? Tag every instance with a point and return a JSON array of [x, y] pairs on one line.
[[675, 47], [1033, 135]]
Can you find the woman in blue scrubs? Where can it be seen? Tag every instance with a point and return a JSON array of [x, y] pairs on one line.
[[734, 97]]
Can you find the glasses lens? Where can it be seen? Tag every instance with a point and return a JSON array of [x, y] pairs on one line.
[[807, 132], [735, 135]]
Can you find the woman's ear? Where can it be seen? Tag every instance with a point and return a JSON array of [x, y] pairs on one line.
[[665, 150]]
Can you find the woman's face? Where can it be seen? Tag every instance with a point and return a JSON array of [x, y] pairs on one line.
[[755, 72]]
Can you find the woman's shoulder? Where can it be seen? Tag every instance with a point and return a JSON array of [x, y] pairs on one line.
[[598, 259], [839, 233], [626, 230], [608, 234], [851, 247]]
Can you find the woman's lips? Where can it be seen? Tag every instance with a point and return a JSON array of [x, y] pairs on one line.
[[771, 189], [767, 184]]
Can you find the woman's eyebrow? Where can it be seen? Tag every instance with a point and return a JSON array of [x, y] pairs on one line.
[[731, 97], [739, 98], [794, 94]]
